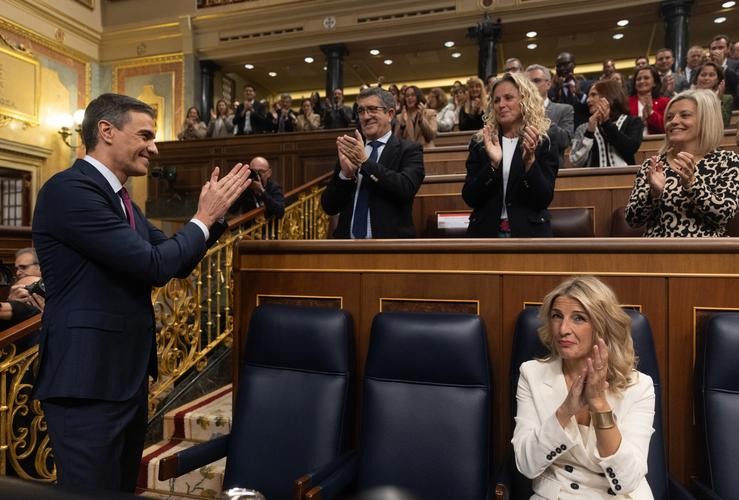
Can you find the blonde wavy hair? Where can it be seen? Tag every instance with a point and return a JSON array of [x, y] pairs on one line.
[[532, 106], [608, 320]]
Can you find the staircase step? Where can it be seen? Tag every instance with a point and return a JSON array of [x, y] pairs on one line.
[[201, 419], [205, 482]]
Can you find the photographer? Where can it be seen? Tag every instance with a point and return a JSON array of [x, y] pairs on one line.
[[263, 192], [24, 301]]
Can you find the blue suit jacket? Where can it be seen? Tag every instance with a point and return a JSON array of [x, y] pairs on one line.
[[97, 337]]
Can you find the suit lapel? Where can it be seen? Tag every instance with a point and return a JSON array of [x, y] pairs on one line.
[[390, 155], [112, 197]]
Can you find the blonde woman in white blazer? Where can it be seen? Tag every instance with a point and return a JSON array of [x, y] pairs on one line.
[[585, 414]]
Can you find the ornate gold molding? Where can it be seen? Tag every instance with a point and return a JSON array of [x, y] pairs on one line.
[[42, 40]]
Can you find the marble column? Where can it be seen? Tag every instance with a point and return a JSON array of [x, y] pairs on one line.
[[676, 14], [334, 66], [487, 34]]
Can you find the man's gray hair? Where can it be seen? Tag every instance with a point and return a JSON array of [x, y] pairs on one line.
[[30, 250], [388, 99], [543, 69]]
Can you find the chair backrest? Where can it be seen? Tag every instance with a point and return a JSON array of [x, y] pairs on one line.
[[572, 222], [426, 406], [526, 346], [717, 401], [621, 229], [294, 401]]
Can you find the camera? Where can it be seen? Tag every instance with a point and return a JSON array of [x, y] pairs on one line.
[[254, 175], [37, 287]]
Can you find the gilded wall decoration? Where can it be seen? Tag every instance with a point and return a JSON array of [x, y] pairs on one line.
[[19, 102]]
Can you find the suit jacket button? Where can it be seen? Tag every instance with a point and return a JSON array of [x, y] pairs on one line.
[[549, 456], [611, 475], [558, 449], [569, 468], [618, 487], [614, 481], [574, 486], [564, 447], [609, 469]]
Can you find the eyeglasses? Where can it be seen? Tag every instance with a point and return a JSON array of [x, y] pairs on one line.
[[23, 267], [372, 110]]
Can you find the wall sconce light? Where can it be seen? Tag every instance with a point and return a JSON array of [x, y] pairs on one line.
[[68, 125]]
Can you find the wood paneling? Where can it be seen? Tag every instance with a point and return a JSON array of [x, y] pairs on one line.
[[668, 280]]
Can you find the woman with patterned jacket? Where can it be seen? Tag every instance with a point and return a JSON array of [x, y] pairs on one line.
[[692, 187]]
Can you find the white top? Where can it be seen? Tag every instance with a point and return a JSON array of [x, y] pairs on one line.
[[509, 147]]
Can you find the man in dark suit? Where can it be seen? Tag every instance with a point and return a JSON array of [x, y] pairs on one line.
[[263, 191], [251, 115], [568, 89], [561, 116], [374, 183], [100, 258]]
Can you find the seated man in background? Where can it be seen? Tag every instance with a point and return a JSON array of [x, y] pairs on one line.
[[21, 303], [26, 263], [263, 192], [374, 183]]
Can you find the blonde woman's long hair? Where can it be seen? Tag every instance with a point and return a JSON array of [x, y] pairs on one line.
[[609, 322], [484, 98], [532, 106]]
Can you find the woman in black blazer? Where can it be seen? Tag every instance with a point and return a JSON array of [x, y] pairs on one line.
[[511, 165]]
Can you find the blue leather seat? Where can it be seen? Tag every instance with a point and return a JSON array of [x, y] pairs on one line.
[[293, 410], [425, 411], [717, 404], [526, 346]]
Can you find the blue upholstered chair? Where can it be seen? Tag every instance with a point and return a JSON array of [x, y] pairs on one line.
[[717, 405], [293, 406], [425, 410], [526, 346]]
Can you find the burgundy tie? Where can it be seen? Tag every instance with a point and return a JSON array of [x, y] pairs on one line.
[[129, 207]]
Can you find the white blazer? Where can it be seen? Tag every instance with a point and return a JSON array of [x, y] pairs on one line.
[[560, 464]]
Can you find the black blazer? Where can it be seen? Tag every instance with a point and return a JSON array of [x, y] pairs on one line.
[[260, 122], [97, 337], [393, 183], [527, 197]]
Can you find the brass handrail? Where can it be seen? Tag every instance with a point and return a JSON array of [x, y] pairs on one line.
[[193, 316]]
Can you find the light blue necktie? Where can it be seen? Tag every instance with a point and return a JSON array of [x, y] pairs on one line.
[[359, 228]]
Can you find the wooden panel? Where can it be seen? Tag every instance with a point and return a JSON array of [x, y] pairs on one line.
[[688, 299]]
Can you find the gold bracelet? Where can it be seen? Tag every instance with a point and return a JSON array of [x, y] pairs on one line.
[[603, 419]]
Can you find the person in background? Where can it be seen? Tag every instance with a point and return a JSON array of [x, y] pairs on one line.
[[336, 115], [416, 123], [561, 116], [710, 76], [609, 68], [26, 263], [694, 61], [691, 188], [221, 121], [445, 111], [395, 91], [646, 102], [262, 192], [317, 104], [284, 118], [194, 127], [584, 414], [670, 81], [307, 120], [251, 115], [567, 88], [511, 166], [476, 102], [513, 65], [611, 137]]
